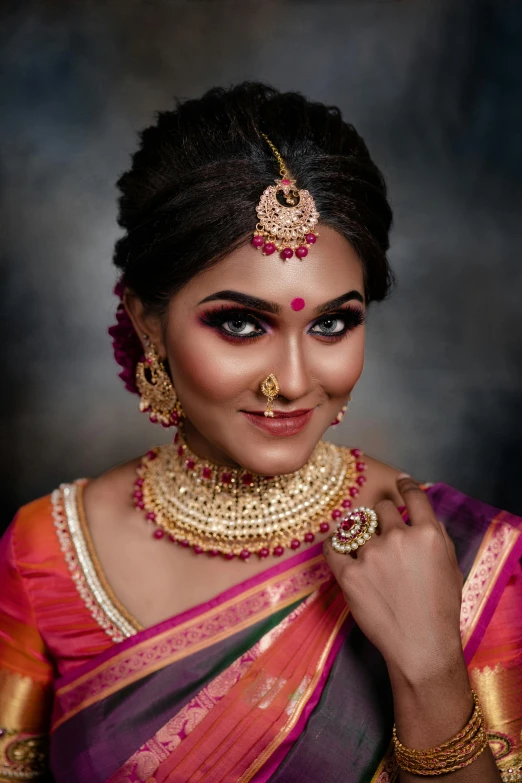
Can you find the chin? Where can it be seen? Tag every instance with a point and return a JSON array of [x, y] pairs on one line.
[[276, 457]]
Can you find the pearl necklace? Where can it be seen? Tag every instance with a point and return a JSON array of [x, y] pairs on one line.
[[235, 513]]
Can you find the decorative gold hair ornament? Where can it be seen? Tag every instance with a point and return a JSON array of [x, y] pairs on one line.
[[287, 216]]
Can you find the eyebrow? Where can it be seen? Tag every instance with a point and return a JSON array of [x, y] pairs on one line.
[[271, 307], [246, 300], [333, 304]]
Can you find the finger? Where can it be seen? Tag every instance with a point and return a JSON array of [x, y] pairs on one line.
[[337, 561], [416, 501], [450, 545], [389, 516]]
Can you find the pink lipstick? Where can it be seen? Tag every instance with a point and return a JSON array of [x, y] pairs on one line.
[[284, 423]]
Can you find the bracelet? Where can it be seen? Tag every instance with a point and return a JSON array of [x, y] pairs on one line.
[[463, 749]]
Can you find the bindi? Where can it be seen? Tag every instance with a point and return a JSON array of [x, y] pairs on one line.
[[297, 303]]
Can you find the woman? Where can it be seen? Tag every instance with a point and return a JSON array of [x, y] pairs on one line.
[[189, 615]]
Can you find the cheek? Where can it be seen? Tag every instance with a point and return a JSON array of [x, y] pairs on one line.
[[340, 368], [203, 364]]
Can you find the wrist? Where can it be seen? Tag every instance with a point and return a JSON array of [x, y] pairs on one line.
[[419, 669], [432, 699]]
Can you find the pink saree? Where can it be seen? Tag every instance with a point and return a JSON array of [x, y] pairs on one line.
[[273, 681]]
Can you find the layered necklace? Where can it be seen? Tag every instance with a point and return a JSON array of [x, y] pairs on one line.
[[235, 513]]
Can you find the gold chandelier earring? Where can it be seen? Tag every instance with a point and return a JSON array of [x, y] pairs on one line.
[[158, 396], [270, 388]]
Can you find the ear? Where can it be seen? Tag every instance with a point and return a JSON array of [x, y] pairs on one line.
[[147, 325]]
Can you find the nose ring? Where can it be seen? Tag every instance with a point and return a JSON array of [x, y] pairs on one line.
[[270, 388]]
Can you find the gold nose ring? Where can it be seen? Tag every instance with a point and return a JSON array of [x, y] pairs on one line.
[[270, 388]]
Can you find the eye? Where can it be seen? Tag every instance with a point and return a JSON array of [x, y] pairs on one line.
[[328, 326], [334, 326], [234, 323], [241, 327]]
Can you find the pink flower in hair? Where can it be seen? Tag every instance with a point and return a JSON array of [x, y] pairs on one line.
[[128, 350]]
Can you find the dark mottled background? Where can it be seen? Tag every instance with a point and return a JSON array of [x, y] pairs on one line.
[[436, 90]]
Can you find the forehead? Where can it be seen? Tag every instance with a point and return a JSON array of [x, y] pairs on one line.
[[331, 268]]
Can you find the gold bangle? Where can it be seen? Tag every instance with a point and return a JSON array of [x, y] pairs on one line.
[[456, 753]]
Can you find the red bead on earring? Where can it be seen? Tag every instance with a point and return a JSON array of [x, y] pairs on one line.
[[340, 416]]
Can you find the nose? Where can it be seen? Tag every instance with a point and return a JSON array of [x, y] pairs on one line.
[[291, 370]]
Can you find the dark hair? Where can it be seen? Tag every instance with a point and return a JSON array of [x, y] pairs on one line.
[[189, 198]]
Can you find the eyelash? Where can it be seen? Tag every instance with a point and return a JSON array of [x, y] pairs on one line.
[[352, 317]]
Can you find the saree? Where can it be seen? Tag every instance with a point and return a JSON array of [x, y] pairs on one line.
[[271, 680]]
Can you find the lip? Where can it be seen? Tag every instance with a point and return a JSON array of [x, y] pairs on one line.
[[283, 424]]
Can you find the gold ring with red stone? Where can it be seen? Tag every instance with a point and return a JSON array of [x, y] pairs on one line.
[[354, 530]]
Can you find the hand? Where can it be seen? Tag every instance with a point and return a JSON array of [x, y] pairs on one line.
[[404, 587]]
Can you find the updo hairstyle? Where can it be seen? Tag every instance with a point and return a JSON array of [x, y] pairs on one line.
[[190, 196]]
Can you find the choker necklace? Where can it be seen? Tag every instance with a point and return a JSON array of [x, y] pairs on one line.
[[235, 513]]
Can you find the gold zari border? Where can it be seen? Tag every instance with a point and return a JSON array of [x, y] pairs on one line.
[[24, 714]]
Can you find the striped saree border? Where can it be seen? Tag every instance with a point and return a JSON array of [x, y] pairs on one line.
[[174, 644], [497, 547]]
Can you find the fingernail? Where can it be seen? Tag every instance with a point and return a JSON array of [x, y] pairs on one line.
[[403, 476]]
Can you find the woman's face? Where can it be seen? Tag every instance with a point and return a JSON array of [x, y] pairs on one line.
[[250, 316]]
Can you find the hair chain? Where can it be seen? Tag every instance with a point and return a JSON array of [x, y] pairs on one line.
[[282, 167]]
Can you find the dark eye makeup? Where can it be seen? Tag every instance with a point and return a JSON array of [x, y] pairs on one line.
[[235, 322], [335, 325], [241, 324]]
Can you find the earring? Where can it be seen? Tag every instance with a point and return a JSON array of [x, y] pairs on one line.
[[340, 416], [270, 388], [158, 396]]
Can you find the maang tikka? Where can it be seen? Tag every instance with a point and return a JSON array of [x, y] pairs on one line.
[[287, 216], [158, 396]]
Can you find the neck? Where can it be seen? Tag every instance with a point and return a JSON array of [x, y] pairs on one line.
[[203, 448]]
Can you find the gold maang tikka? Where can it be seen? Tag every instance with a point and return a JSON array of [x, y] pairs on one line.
[[270, 388], [287, 216]]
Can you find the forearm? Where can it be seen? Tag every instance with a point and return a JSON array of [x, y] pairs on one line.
[[432, 704]]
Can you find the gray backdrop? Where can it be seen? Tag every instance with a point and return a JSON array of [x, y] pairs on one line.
[[435, 89]]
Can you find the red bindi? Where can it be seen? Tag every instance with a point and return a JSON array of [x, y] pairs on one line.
[[297, 303]]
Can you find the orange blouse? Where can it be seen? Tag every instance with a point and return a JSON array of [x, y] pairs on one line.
[[51, 621]]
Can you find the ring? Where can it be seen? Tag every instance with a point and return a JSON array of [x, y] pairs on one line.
[[355, 530]]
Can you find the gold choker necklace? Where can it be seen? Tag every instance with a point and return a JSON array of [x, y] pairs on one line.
[[235, 513]]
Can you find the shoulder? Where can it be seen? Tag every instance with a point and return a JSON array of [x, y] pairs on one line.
[[108, 500], [31, 532], [381, 482], [28, 548], [113, 488]]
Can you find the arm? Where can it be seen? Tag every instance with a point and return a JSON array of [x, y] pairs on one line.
[[25, 678], [404, 588], [432, 704]]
